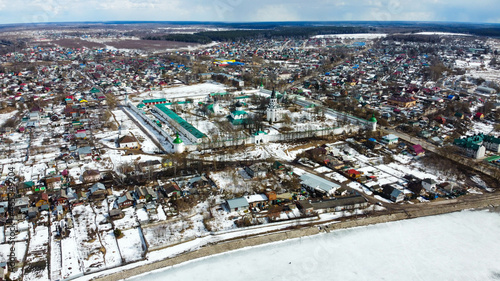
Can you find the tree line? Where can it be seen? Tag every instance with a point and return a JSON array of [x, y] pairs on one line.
[[238, 35]]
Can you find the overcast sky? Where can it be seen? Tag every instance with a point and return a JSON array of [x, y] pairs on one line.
[[30, 11]]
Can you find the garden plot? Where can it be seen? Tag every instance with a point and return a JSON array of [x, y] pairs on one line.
[[102, 216], [179, 230], [87, 238], [162, 235], [70, 257], [112, 256], [128, 221], [409, 170], [55, 254], [36, 267], [20, 251], [130, 245]]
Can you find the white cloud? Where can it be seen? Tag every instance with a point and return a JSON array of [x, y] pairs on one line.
[[241, 10], [276, 13]]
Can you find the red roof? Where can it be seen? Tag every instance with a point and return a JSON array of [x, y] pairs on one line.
[[418, 149], [352, 171]]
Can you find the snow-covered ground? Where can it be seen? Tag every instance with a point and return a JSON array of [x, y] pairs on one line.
[[4, 117], [182, 92], [441, 33], [353, 36], [130, 245], [37, 254], [444, 247]]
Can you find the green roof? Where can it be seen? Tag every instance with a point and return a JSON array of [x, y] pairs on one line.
[[219, 94], [237, 121], [141, 105], [492, 158], [154, 100], [373, 119], [492, 139], [239, 112], [242, 97], [29, 183], [188, 127], [94, 90]]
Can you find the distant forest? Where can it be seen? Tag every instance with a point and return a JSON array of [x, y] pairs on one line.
[[237, 35], [275, 30]]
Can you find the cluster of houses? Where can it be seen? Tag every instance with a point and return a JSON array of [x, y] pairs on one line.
[[52, 196]]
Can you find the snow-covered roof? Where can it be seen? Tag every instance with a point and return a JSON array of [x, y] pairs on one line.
[[390, 137], [318, 183], [256, 198]]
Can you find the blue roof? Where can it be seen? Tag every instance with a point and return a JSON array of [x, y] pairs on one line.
[[85, 150], [395, 192], [237, 203]]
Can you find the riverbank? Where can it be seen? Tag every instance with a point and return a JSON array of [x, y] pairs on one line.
[[487, 201]]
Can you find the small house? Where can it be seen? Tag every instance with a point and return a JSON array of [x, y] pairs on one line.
[[305, 207], [140, 194], [429, 185], [54, 183], [257, 201], [91, 176], [115, 214], [125, 200], [393, 193], [171, 190], [97, 192], [418, 150], [32, 212], [237, 204], [149, 166], [390, 139], [256, 170], [352, 173], [85, 153], [128, 142], [478, 116]]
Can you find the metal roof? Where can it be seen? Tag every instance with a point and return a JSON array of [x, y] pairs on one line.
[[188, 127], [318, 183], [237, 203]]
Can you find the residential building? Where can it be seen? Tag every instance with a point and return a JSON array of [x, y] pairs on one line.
[[317, 184], [390, 139]]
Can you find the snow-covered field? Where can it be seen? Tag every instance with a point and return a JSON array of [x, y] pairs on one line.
[[180, 92], [353, 36], [442, 33], [444, 247], [130, 245]]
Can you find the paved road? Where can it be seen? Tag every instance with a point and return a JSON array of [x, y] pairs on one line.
[[425, 145]]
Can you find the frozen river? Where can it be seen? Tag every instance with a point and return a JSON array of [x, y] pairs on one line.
[[457, 246]]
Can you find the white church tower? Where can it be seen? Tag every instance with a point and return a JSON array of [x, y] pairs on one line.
[[273, 109]]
